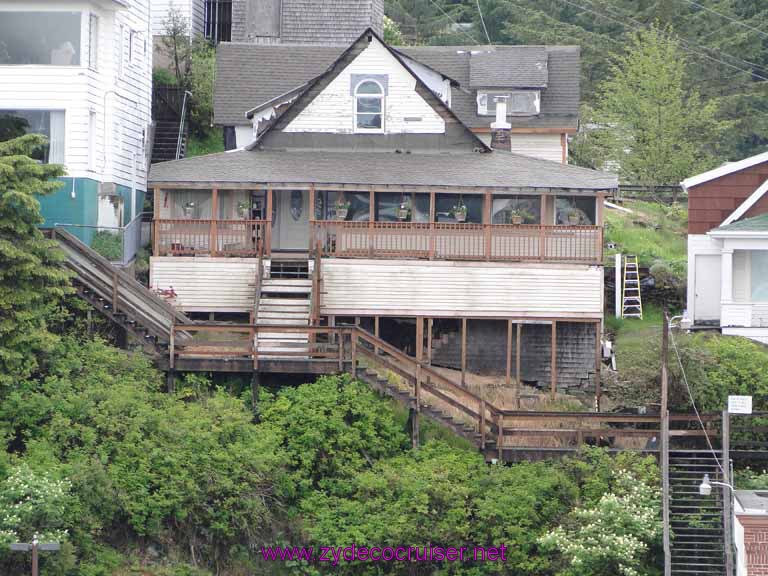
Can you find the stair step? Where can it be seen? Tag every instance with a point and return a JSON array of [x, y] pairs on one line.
[[287, 282]]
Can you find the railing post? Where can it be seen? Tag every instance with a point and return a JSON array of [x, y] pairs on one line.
[[341, 352], [353, 337], [254, 348], [542, 243], [500, 436], [115, 277], [172, 347], [270, 200], [482, 424]]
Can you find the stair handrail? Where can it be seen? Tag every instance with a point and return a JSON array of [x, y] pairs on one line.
[[182, 123]]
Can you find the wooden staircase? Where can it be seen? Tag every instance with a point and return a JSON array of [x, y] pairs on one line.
[[698, 537]]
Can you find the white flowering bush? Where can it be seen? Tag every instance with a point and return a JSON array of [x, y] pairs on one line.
[[612, 536], [33, 504]]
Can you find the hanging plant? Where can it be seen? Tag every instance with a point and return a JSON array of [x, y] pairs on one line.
[[403, 211], [242, 209], [342, 209], [459, 212], [574, 216]]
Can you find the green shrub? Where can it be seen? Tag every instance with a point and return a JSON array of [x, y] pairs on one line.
[[163, 77], [109, 244]]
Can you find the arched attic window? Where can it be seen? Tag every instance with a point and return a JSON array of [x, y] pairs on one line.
[[369, 107]]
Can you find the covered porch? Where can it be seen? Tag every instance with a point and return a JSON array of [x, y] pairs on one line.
[[416, 222]]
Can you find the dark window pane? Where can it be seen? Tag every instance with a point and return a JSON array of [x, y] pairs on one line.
[[369, 105], [575, 210], [369, 88], [505, 208], [444, 204], [43, 38], [369, 121]]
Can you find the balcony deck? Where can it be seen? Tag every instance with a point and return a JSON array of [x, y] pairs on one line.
[[391, 240]]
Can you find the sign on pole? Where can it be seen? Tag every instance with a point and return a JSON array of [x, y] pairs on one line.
[[740, 404]]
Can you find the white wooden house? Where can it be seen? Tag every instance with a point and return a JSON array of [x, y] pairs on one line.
[[79, 72], [728, 248], [367, 174]]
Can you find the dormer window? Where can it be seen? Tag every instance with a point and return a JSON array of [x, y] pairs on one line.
[[519, 102], [369, 107]]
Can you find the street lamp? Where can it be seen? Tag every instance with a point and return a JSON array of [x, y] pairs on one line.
[[705, 488]]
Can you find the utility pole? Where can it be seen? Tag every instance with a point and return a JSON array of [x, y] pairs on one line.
[[665, 445]]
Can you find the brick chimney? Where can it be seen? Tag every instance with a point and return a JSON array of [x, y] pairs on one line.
[[501, 130]]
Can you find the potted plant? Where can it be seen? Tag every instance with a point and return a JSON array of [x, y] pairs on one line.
[[342, 209], [242, 209], [459, 212], [403, 211], [189, 209], [516, 217], [574, 216]]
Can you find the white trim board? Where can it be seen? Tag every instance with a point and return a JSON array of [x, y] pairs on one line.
[[724, 170], [747, 204]]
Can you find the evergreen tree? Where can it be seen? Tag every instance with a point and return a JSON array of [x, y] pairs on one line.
[[31, 281], [654, 129]]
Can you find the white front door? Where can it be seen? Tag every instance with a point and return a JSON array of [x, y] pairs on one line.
[[707, 287], [291, 226]]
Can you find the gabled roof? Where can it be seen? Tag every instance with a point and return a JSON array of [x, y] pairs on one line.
[[747, 204], [742, 227], [724, 170], [523, 67], [315, 87], [495, 169], [248, 75]]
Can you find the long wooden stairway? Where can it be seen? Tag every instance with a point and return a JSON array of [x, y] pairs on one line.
[[698, 537], [119, 297]]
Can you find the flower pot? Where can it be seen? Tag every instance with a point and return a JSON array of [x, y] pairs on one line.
[[460, 216], [341, 213], [517, 219], [402, 213]]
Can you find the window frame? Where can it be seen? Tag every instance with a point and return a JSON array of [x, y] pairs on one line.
[[484, 110], [381, 96], [93, 42]]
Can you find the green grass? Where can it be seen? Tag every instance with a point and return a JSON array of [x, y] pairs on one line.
[[653, 232], [211, 143]]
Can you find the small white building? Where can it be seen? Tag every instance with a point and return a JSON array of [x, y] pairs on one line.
[[728, 248], [80, 73]]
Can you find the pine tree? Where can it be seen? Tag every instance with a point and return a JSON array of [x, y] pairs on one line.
[[31, 280]]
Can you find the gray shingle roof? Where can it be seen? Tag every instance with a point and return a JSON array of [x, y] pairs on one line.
[[510, 67], [493, 169], [249, 75], [754, 224], [329, 21]]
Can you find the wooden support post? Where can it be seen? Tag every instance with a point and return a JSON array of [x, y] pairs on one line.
[[542, 224], [341, 352], [553, 361], [376, 333], [268, 241], [415, 432], [155, 218], [419, 338], [500, 436], [508, 373], [255, 385], [214, 241], [598, 364], [429, 341], [115, 282], [171, 348], [487, 211], [518, 364], [463, 351], [371, 220], [254, 348], [432, 220], [482, 424], [312, 220], [600, 201], [664, 443], [353, 337], [170, 381]]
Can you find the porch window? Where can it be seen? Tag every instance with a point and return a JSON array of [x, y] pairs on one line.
[[388, 207], [234, 205], [359, 205], [445, 204], [506, 209], [40, 38], [49, 123], [759, 274], [191, 204], [575, 210], [369, 106]]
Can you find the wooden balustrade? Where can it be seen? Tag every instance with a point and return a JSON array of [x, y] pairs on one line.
[[455, 241], [185, 237]]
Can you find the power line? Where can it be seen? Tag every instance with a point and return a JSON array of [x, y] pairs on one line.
[[458, 26], [733, 20], [482, 21]]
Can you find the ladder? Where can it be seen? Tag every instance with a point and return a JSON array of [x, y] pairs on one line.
[[632, 305]]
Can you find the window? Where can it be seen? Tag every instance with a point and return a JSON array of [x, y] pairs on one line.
[[388, 206], [218, 20], [445, 203], [519, 102], [131, 35], [93, 42], [510, 209], [575, 210], [369, 106], [41, 38], [191, 204], [759, 275], [49, 123]]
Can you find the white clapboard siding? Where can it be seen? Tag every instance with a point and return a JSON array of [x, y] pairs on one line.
[[544, 146], [333, 109], [120, 106], [207, 284], [408, 288]]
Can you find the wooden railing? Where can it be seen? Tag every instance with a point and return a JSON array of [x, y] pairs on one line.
[[453, 241], [352, 349], [186, 237]]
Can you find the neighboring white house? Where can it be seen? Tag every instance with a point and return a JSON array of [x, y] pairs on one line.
[[80, 73], [728, 248]]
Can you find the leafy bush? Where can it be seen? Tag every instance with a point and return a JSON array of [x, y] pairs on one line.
[[108, 244], [163, 77]]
